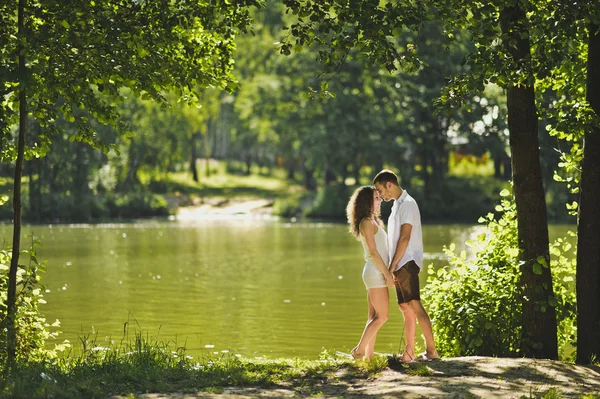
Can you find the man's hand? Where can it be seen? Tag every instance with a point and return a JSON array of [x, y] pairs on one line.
[[390, 279]]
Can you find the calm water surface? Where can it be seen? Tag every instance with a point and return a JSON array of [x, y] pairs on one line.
[[257, 287]]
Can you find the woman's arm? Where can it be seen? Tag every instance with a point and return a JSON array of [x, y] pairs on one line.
[[368, 230]]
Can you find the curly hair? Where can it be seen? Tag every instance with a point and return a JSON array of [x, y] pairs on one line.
[[360, 207]]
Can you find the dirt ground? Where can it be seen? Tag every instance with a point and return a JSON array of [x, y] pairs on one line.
[[462, 377]]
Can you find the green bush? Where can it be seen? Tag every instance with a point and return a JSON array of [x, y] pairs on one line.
[[137, 205], [475, 302], [32, 329]]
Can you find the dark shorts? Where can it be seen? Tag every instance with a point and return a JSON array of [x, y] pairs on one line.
[[407, 282]]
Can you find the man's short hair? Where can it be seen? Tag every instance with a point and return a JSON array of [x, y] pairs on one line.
[[386, 176]]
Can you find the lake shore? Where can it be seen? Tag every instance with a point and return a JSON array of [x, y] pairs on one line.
[[461, 377], [225, 206]]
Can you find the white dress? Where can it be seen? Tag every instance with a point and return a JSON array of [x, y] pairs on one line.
[[372, 277]]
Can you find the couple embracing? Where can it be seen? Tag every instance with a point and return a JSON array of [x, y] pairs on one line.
[[393, 259]]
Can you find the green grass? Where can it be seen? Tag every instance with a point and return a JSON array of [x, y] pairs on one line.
[[220, 183], [145, 365], [554, 393]]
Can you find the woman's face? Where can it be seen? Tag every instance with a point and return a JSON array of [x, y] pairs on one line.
[[376, 201]]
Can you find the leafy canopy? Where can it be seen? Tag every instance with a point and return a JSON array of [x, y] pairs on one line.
[[81, 57]]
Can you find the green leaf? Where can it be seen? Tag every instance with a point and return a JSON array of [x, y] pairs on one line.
[[504, 193], [542, 260], [65, 24], [537, 269]]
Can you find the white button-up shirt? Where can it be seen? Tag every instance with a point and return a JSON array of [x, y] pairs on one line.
[[406, 211]]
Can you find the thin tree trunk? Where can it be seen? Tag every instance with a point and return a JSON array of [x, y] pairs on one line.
[[588, 226], [309, 180], [290, 166], [133, 163], [328, 175], [209, 125], [248, 164], [194, 157], [539, 334], [498, 162], [11, 300]]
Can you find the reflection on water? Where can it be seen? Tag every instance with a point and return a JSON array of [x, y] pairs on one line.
[[250, 286]]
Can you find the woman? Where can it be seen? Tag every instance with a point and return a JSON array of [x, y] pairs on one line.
[[365, 225]]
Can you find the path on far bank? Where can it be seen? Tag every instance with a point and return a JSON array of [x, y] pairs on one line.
[[462, 377], [225, 206]]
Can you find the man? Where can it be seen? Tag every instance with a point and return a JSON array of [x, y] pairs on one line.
[[405, 241]]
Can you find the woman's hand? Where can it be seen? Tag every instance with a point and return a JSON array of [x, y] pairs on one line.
[[389, 279]]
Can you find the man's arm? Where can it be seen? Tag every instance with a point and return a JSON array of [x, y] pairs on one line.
[[402, 244]]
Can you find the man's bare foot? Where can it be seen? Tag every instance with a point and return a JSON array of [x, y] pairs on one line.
[[429, 356]]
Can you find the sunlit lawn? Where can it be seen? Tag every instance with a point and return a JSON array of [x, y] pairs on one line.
[[220, 183]]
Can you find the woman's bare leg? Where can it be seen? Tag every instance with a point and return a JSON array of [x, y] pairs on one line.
[[370, 347], [379, 301]]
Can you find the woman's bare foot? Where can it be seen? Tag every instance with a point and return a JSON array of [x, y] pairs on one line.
[[355, 354], [406, 358]]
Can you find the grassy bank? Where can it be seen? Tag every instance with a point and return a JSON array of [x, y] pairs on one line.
[[149, 369], [145, 365]]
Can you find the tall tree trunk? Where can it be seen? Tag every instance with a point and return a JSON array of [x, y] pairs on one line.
[[539, 334], [11, 300], [588, 226]]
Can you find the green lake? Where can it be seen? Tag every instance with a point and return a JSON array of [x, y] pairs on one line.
[[253, 286]]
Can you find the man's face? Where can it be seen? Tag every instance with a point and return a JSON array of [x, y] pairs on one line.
[[383, 190]]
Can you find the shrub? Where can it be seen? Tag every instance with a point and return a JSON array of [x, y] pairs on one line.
[[475, 302], [32, 329], [137, 205]]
